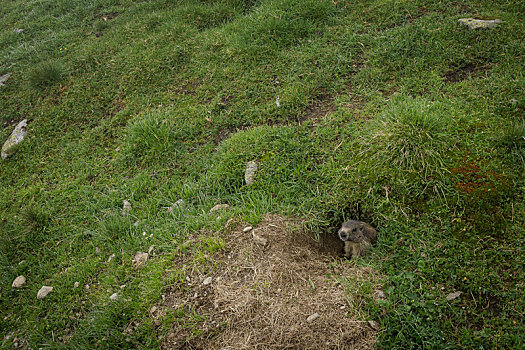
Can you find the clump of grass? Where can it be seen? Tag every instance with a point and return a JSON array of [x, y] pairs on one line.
[[406, 144], [46, 74], [513, 136]]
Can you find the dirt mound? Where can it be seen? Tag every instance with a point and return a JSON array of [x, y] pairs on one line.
[[268, 288]]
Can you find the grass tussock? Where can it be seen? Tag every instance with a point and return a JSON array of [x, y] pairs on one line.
[[46, 74]]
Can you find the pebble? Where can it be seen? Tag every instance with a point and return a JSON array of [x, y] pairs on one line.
[[114, 296], [19, 282], [374, 325], [76, 284], [43, 292], [4, 77], [17, 136], [247, 229], [207, 281], [249, 174], [219, 206], [139, 259], [453, 296], [474, 23], [126, 207], [312, 318]]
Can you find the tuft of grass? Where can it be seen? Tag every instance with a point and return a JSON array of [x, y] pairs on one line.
[[46, 74], [513, 136], [407, 144]]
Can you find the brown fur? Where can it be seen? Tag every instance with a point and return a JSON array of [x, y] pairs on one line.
[[357, 236]]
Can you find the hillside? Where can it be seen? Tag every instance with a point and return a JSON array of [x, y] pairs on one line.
[[143, 116]]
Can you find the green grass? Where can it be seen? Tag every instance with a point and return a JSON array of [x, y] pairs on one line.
[[156, 101]]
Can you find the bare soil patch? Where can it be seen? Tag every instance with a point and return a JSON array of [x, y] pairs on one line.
[[261, 292]]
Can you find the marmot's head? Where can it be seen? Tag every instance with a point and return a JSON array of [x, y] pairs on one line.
[[350, 229]]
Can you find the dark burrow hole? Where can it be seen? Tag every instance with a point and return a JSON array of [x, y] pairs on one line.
[[329, 242]]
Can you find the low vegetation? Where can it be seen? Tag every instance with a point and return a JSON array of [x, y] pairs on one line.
[[383, 111]]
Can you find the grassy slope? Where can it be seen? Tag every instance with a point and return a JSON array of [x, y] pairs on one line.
[[172, 98]]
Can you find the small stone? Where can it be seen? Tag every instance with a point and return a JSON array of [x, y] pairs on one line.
[[76, 284], [312, 318], [17, 136], [513, 101], [175, 205], [207, 281], [126, 207], [249, 174], [474, 23], [453, 296], [259, 240], [19, 282], [139, 259], [97, 250], [18, 30], [4, 78], [111, 257], [43, 292], [219, 207], [342, 307], [379, 294], [150, 250], [247, 229], [114, 296], [374, 325]]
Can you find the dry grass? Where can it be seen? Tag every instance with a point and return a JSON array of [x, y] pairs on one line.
[[262, 295]]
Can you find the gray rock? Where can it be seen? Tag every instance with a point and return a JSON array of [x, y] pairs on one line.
[[474, 23], [114, 296], [312, 318], [139, 259], [219, 207], [43, 292], [17, 136], [374, 325], [453, 296], [249, 174], [3, 78], [18, 30], [126, 207], [76, 285], [247, 229], [19, 282], [207, 281]]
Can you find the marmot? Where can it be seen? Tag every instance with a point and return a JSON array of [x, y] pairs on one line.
[[358, 237]]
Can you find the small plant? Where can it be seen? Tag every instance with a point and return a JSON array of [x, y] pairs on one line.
[[45, 74]]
